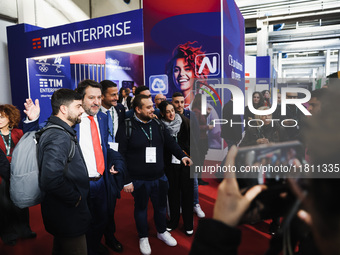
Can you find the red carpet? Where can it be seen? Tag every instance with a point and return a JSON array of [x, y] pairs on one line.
[[254, 241]]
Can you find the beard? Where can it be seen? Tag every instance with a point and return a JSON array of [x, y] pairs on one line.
[[90, 111], [74, 119], [144, 117]]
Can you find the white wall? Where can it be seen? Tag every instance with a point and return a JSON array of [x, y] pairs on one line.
[[5, 88], [106, 7], [8, 8]]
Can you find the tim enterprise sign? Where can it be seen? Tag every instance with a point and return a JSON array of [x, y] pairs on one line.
[[118, 29]]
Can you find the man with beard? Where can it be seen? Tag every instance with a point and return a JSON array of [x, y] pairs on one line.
[[100, 160], [144, 156], [65, 183]]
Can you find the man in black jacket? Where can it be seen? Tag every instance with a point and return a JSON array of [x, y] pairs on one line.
[[145, 164], [65, 211]]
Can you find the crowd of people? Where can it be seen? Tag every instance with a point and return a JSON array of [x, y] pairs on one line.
[[146, 149], [147, 154]]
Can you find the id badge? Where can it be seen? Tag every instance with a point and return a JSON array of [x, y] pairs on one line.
[[114, 146], [174, 160], [150, 155]]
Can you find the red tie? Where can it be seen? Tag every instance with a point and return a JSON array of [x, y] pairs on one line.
[[98, 152]]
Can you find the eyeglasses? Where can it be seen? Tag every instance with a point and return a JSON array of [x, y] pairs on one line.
[[162, 99]]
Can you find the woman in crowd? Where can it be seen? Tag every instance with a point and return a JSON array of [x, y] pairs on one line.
[[266, 96], [15, 220], [269, 132], [181, 186], [258, 101], [124, 98]]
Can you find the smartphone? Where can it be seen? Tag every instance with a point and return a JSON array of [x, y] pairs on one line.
[[270, 163]]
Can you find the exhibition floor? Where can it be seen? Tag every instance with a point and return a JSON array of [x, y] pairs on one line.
[[255, 239]]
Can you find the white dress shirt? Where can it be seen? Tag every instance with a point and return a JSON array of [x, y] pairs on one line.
[[86, 145]]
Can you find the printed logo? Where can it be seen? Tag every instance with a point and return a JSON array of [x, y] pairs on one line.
[[36, 43], [43, 65], [211, 61], [159, 84]]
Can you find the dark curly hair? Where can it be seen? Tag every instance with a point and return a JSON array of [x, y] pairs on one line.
[[12, 113], [189, 53]]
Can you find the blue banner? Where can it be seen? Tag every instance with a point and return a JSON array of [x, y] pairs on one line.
[[118, 29], [46, 76]]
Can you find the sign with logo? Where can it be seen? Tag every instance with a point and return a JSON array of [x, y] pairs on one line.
[[119, 29], [46, 76], [158, 84], [211, 61]]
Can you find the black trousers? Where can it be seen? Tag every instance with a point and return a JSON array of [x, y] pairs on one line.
[[111, 225], [99, 212], [69, 245], [14, 222], [181, 192]]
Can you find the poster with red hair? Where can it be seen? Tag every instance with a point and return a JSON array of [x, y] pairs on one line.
[[189, 46], [206, 38]]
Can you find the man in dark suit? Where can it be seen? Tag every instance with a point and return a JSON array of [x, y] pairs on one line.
[[116, 124], [102, 202]]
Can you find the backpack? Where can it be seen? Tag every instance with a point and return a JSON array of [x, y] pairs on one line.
[[24, 180], [129, 127]]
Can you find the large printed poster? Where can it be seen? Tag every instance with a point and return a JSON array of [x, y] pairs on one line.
[[175, 30], [189, 46], [46, 76]]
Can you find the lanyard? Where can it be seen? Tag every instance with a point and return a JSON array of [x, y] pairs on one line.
[[113, 124], [8, 146], [147, 136]]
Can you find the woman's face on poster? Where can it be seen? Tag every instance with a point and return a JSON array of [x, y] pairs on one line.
[[183, 74]]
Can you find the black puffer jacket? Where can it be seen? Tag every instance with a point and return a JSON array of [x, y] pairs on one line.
[[62, 214]]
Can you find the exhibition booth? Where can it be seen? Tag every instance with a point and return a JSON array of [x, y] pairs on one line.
[[212, 34]]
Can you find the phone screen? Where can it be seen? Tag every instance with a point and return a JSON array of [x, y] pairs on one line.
[[267, 163]]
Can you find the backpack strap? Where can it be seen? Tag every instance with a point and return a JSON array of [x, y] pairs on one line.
[[161, 125], [128, 128], [73, 144]]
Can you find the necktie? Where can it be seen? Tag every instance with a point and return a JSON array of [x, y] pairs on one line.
[[110, 123], [98, 152]]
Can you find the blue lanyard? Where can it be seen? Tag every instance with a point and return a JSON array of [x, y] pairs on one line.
[[113, 125], [8, 146]]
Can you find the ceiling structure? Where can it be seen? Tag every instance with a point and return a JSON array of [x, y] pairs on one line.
[[301, 36]]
